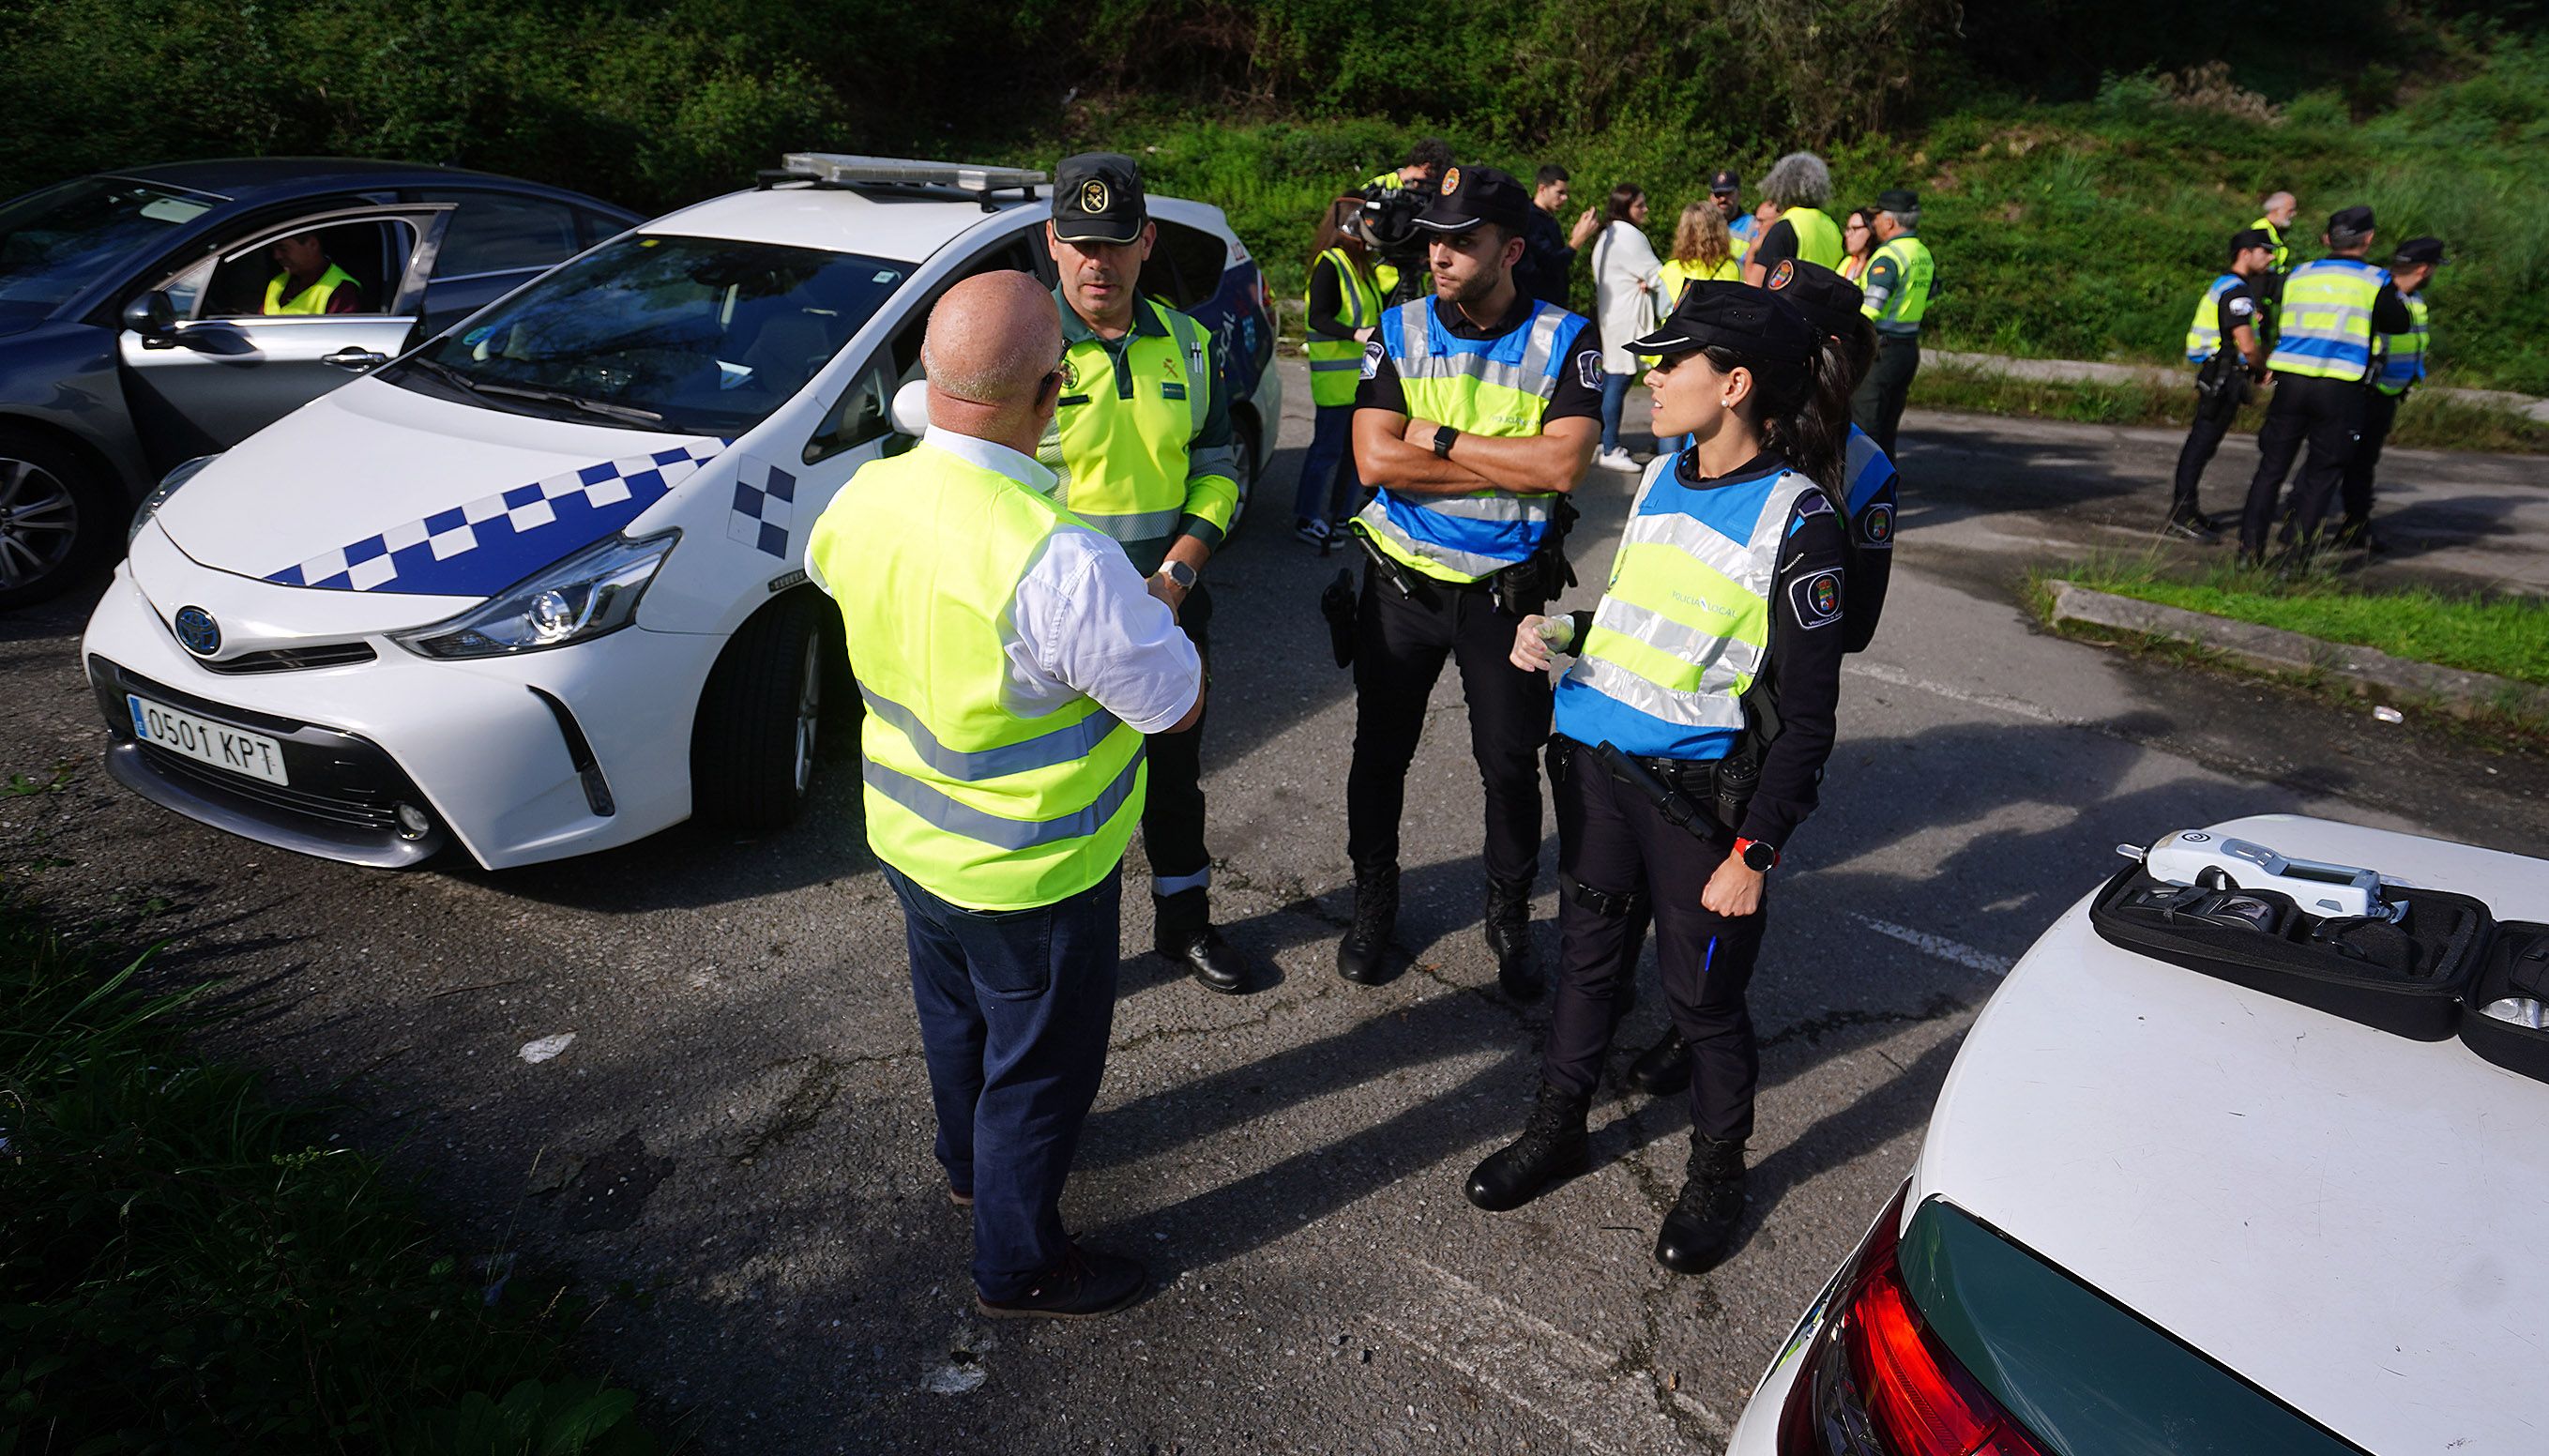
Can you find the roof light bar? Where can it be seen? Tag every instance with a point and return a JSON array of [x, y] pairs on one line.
[[845, 170]]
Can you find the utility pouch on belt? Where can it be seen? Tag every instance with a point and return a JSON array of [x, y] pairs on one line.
[[1530, 583], [1338, 605]]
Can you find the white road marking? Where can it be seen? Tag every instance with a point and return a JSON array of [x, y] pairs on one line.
[[1955, 951], [2018, 706]]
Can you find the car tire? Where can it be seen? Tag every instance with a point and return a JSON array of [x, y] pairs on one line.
[[1243, 435], [57, 518], [753, 745]]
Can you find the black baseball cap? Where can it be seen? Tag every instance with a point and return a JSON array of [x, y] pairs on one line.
[[2353, 220], [1748, 321], [2248, 238], [1725, 184], [1828, 301], [1465, 197], [2419, 250], [1898, 200], [1097, 198]]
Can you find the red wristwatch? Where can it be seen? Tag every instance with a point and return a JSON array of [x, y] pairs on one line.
[[1758, 857]]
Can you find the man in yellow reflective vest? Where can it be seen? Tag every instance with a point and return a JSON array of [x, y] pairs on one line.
[[1897, 296], [2402, 368], [2280, 209], [1143, 444], [1011, 663], [1478, 409], [1799, 185], [310, 284], [2324, 361]]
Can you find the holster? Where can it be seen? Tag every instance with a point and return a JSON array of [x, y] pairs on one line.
[[1530, 583], [2222, 384], [1340, 605]]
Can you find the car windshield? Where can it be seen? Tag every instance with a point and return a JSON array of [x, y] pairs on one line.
[[697, 335], [57, 241]]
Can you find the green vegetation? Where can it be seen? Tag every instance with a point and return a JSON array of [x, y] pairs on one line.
[[187, 1266], [2507, 636], [2427, 420]]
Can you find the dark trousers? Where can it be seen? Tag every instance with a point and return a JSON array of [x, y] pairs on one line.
[[1330, 484], [1173, 814], [2327, 413], [2215, 411], [2380, 412], [1015, 1009], [1399, 646], [1615, 842], [1877, 407]]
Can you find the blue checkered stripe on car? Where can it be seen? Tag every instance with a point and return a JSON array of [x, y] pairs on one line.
[[481, 548], [765, 508]]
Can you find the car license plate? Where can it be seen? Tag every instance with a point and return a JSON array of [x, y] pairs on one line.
[[203, 740]]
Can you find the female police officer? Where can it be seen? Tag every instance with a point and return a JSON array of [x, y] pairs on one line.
[[1722, 617]]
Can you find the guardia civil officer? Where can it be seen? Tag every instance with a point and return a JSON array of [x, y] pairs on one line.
[[2228, 341], [1011, 663], [1897, 295], [1143, 444], [1476, 415], [2403, 363], [2323, 365], [1725, 602]]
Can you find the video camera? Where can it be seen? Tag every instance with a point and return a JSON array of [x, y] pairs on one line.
[[1389, 228]]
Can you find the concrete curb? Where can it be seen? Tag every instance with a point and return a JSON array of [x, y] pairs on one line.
[[2080, 370], [2459, 693]]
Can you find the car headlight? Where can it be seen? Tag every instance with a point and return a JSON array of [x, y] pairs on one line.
[[584, 596], [169, 483]]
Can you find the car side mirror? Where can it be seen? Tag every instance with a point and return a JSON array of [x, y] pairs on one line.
[[152, 316], [910, 410]]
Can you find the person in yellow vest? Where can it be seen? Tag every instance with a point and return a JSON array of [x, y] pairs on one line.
[[2324, 361], [1143, 444], [1426, 162], [1341, 313], [1799, 185], [1857, 243], [1897, 297], [2227, 343], [1675, 795], [310, 283], [2402, 365], [2279, 207], [1011, 663], [1478, 414], [1703, 251]]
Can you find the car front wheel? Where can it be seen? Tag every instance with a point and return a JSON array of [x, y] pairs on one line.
[[752, 747], [56, 518]]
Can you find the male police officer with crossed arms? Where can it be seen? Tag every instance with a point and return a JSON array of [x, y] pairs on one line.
[[1143, 444], [1478, 410]]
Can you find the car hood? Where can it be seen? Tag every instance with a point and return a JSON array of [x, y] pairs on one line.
[[2349, 1220], [378, 489]]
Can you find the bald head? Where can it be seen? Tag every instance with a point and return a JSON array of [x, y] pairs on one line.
[[991, 342]]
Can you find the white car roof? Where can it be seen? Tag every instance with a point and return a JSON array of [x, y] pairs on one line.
[[2348, 1219], [898, 226]]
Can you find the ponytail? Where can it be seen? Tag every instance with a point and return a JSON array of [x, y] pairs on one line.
[[1805, 410]]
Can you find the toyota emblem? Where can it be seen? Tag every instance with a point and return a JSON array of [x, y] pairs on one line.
[[197, 631]]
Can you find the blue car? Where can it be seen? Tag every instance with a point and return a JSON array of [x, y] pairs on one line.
[[142, 323]]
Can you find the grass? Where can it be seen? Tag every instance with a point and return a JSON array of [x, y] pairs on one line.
[[2426, 421], [189, 1265], [2504, 636]]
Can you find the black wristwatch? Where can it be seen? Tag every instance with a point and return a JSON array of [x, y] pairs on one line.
[[1759, 857], [1444, 434]]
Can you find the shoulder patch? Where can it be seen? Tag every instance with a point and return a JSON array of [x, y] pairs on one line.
[[2243, 305], [1588, 368], [1816, 598], [1876, 526], [1373, 354]]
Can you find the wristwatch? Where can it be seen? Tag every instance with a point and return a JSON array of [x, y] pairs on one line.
[[1758, 857], [1444, 434], [1178, 573]]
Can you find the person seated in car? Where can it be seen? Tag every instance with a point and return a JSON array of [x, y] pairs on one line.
[[311, 282]]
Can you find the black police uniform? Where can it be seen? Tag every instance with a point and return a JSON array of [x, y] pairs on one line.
[[2379, 413], [2220, 387]]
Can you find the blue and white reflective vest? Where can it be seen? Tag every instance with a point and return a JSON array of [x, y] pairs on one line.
[[2323, 325], [2204, 335], [2403, 356], [1868, 484]]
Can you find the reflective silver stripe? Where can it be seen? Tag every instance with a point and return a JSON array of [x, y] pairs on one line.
[[1415, 333], [1221, 459], [1346, 285], [1322, 367], [1543, 341], [942, 812], [1467, 563], [1489, 506], [1719, 659], [1713, 706], [1733, 559], [1064, 744], [1142, 526]]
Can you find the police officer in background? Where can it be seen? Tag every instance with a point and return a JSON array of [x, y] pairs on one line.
[[1726, 189], [1143, 444], [2323, 365], [2403, 363], [1477, 412], [2228, 341], [1896, 294]]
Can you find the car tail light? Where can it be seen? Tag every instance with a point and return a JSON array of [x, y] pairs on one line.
[[1877, 1381]]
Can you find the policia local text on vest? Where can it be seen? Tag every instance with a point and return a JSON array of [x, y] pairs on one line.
[[1477, 412], [1143, 444], [1897, 289], [2323, 366]]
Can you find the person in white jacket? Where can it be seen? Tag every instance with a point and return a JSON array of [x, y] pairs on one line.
[[1626, 276]]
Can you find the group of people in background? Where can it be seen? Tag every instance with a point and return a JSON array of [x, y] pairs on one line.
[[1878, 248], [2342, 341]]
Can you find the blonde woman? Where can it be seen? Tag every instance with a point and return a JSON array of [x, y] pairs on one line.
[[1703, 251]]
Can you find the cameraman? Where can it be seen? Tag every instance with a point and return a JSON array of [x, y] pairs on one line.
[[1426, 163]]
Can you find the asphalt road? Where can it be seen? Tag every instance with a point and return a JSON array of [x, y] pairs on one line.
[[738, 1138]]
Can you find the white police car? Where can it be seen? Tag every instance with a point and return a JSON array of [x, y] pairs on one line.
[[2188, 1192], [535, 587]]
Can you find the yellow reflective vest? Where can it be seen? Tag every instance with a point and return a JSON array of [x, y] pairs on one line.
[[310, 300], [1336, 363], [1142, 438], [1817, 235], [2323, 328]]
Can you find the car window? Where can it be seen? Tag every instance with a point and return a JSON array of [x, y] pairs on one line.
[[57, 241], [498, 232], [701, 335], [1185, 266], [372, 253], [863, 412], [595, 227]]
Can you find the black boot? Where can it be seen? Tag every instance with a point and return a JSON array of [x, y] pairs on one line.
[[1552, 1148], [1664, 1068], [1364, 955], [1508, 934], [1701, 1226], [1185, 936]]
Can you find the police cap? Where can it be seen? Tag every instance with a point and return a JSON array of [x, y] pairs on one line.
[[1736, 316], [2248, 238], [2349, 221], [1466, 197], [1901, 201], [1725, 184], [1097, 198], [2419, 250], [1828, 301]]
